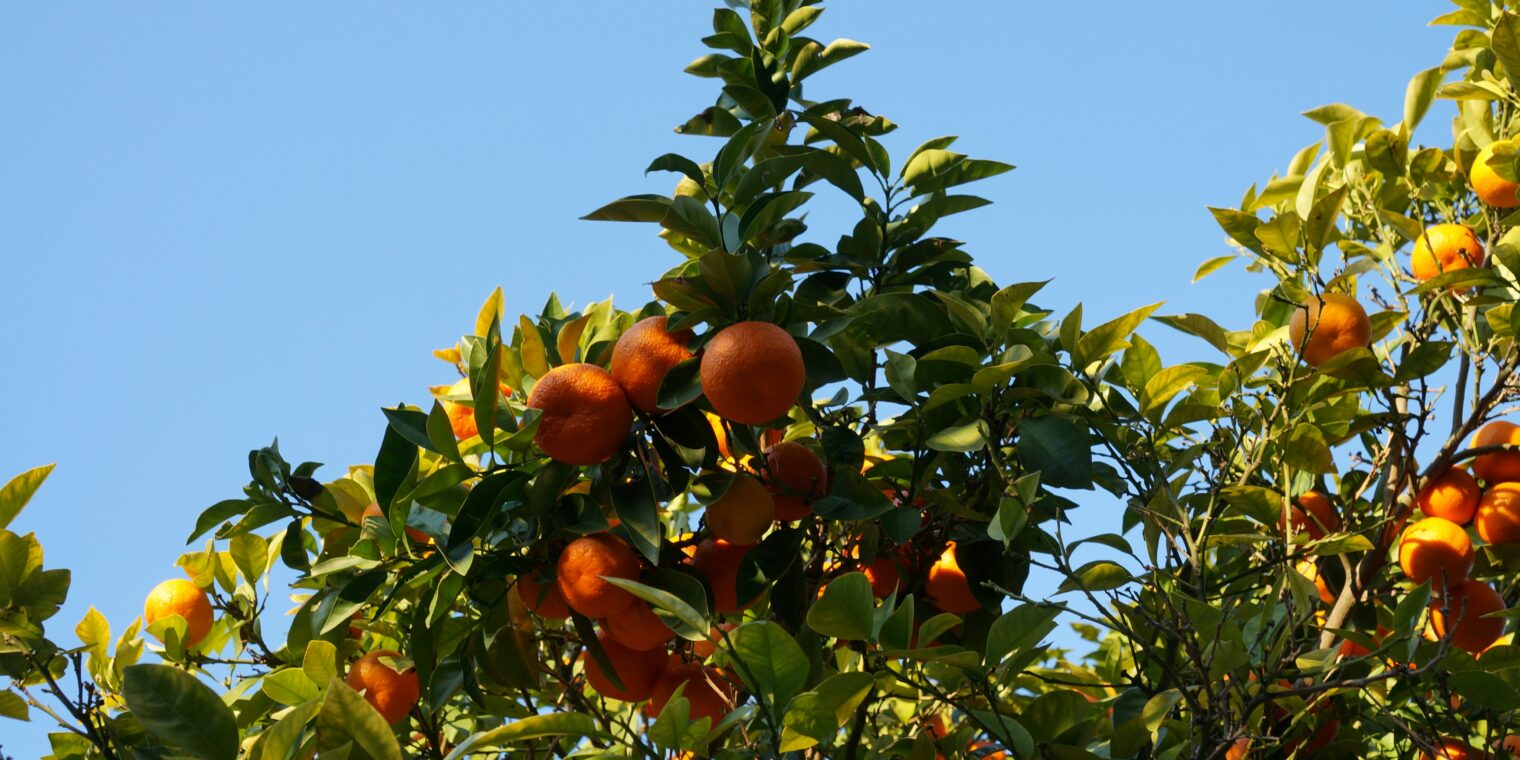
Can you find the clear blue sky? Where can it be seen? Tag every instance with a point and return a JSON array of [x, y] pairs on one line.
[[222, 223]]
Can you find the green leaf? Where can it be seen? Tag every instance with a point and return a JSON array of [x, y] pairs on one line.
[[1506, 45], [290, 686], [768, 209], [346, 718], [218, 513], [1483, 689], [1018, 630], [1307, 450], [320, 662], [634, 504], [845, 609], [1420, 93], [411, 424], [18, 491], [1211, 266], [811, 58], [1105, 339], [675, 162], [14, 707], [1240, 226], [280, 740], [1423, 360], [769, 660], [815, 716], [1166, 384], [971, 436], [1051, 714], [1099, 575], [1200, 326], [180, 710], [570, 724], [1058, 448], [634, 208], [687, 616]]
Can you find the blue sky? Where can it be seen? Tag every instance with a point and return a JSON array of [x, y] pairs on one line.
[[223, 223]]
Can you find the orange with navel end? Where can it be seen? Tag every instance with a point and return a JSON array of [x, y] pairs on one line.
[[1328, 326], [583, 414], [1452, 749], [1454, 495], [461, 419], [718, 561], [417, 536], [1498, 466], [392, 694], [947, 587], [752, 372], [1464, 616], [642, 356], [707, 690], [1486, 183], [1498, 515], [1445, 248], [638, 628], [581, 568], [178, 596], [796, 477], [742, 513], [1314, 515], [1436, 549], [638, 671], [542, 598]]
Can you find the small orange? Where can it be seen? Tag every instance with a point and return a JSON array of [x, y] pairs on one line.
[[583, 414], [796, 477], [1454, 495], [742, 513], [1452, 749], [638, 628], [543, 598], [178, 596], [1498, 515], [752, 372], [718, 561], [1445, 248], [1486, 183], [1314, 515], [1500, 465], [1309, 570], [708, 691], [461, 419], [1237, 751], [708, 647], [638, 671], [1437, 549], [417, 536], [1329, 326], [642, 356], [946, 585], [392, 694], [883, 575], [581, 568], [1466, 606]]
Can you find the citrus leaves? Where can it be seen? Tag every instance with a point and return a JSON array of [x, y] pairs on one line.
[[182, 711], [18, 491]]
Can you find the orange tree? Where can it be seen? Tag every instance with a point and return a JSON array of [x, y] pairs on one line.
[[788, 508]]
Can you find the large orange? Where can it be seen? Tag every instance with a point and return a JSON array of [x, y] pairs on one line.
[[1314, 515], [583, 414], [638, 628], [642, 356], [1452, 749], [742, 513], [946, 585], [718, 561], [1500, 465], [1328, 326], [752, 372], [638, 671], [797, 477], [1498, 515], [708, 691], [178, 596], [1486, 183], [391, 693], [1436, 548], [1465, 607], [581, 568], [543, 598], [1454, 495], [1445, 248]]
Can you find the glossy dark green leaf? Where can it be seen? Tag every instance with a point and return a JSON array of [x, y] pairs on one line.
[[845, 610], [346, 718], [180, 710], [769, 661], [634, 208], [1058, 448]]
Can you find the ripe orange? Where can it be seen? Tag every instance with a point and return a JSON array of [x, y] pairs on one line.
[[1436, 548], [543, 598], [1452, 749], [1466, 605], [1314, 515], [461, 419], [718, 561], [638, 671], [638, 628], [1500, 465], [1445, 248], [1486, 183], [391, 693], [1511, 744], [708, 691], [1328, 326], [946, 585], [752, 372], [705, 649], [417, 536], [796, 478], [1454, 495], [1498, 515], [1309, 570], [1237, 751], [178, 596], [581, 567], [883, 575], [584, 414], [742, 514], [642, 356]]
